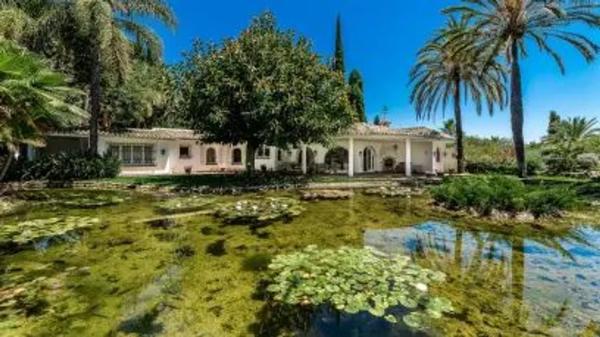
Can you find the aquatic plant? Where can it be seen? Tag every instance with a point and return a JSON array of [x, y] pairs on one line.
[[26, 298], [81, 200], [326, 195], [216, 248], [257, 262], [39, 230], [259, 210], [9, 207], [183, 204], [390, 191], [353, 280]]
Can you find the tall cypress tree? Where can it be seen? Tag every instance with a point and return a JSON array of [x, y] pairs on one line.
[[356, 95], [338, 57]]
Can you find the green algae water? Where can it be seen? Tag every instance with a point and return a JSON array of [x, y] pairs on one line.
[[137, 273]]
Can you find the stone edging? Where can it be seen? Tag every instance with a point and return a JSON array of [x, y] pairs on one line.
[[99, 185]]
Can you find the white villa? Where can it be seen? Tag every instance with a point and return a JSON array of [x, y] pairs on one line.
[[363, 149]]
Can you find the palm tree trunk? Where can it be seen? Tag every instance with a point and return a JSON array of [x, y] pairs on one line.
[[516, 110], [250, 152], [460, 151], [95, 97]]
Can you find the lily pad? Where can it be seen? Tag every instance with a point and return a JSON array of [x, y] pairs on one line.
[[390, 191], [183, 204], [356, 280], [259, 210], [9, 207], [36, 230], [327, 195], [76, 200]]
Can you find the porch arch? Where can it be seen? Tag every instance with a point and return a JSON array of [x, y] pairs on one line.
[[336, 159]]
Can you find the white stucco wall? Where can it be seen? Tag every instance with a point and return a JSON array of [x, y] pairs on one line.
[[168, 161]]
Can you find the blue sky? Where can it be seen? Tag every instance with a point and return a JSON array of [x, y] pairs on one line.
[[381, 38]]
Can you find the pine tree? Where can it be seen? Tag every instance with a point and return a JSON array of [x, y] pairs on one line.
[[356, 95], [338, 58], [377, 120]]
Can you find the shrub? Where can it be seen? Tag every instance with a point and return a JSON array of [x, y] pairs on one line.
[[482, 193], [534, 166], [487, 193], [66, 166], [549, 201]]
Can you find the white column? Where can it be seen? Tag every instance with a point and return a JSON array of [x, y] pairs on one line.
[[304, 160], [351, 157], [407, 159]]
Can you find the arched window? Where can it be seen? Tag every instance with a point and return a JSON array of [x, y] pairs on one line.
[[236, 157], [211, 156], [438, 155]]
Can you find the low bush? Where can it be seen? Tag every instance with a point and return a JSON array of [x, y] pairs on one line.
[[487, 193], [482, 193], [65, 167], [534, 166], [550, 201]]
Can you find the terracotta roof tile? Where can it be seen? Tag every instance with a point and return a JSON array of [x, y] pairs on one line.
[[359, 129]]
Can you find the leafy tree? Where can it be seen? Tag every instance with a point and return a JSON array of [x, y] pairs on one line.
[[338, 58], [33, 99], [562, 148], [448, 63], [95, 39], [143, 100], [265, 87], [504, 27], [356, 95]]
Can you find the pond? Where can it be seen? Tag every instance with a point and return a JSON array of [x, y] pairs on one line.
[[133, 272]]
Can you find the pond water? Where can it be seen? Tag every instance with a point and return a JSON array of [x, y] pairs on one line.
[[135, 274]]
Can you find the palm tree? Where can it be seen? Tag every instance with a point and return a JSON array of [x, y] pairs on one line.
[[505, 26], [447, 64], [449, 127], [576, 129], [567, 142], [33, 99], [101, 37]]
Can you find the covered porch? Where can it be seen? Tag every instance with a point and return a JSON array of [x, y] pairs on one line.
[[382, 154]]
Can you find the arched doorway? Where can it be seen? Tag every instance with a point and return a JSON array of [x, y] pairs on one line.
[[369, 159], [336, 159]]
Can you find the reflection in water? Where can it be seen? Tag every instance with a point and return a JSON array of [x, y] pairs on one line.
[[506, 286]]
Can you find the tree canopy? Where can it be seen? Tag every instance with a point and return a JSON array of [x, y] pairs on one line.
[[265, 87]]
